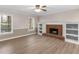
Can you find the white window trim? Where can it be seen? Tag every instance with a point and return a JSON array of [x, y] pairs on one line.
[[33, 25], [11, 26]]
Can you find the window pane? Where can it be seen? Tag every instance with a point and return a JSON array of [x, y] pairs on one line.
[[31, 23]]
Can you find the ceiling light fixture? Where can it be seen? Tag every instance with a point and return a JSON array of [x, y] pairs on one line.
[[37, 10]]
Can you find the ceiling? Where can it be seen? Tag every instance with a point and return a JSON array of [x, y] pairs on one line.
[[29, 9]]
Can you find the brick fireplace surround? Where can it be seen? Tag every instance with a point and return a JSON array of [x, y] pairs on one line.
[[56, 35]]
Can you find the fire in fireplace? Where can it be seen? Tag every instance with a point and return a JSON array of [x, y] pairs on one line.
[[53, 31]]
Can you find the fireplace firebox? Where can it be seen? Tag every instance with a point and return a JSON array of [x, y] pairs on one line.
[[53, 31]]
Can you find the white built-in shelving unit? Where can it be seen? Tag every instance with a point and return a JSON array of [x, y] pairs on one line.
[[71, 34], [40, 29]]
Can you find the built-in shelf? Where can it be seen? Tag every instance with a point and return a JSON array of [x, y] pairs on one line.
[[40, 29], [71, 29], [72, 26], [72, 32], [72, 35]]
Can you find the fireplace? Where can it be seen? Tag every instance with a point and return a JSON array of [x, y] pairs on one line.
[[53, 31]]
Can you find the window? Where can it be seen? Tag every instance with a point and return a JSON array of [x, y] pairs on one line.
[[5, 24], [32, 23]]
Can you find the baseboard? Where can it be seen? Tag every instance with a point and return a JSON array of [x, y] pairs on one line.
[[71, 41], [16, 37]]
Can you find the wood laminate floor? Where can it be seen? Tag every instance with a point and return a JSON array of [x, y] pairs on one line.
[[35, 44]]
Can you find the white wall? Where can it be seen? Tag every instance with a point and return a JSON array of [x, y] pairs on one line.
[[68, 16], [60, 18], [20, 22]]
